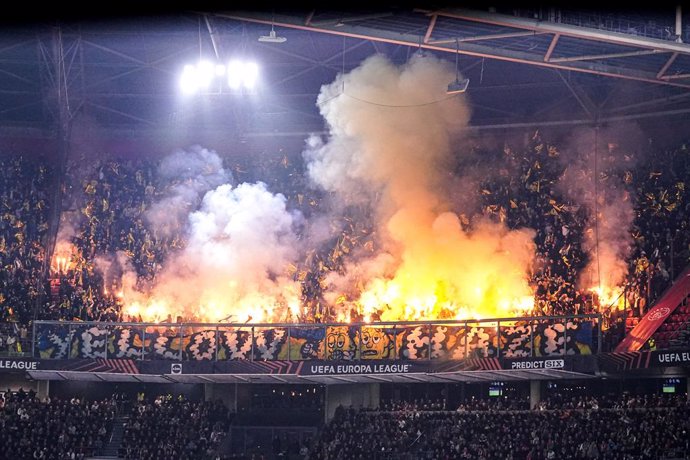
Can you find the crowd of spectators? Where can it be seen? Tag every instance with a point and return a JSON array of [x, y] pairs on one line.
[[103, 215], [530, 191], [561, 400], [105, 204], [467, 404], [24, 190], [169, 427], [53, 429], [632, 428]]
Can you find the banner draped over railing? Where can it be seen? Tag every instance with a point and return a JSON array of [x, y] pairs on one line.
[[450, 340]]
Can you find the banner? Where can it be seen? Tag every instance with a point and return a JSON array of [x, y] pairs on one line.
[[657, 315], [340, 343]]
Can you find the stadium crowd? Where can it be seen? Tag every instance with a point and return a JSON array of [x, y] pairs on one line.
[[24, 189], [163, 427], [104, 207], [632, 428], [467, 404], [530, 191], [177, 428], [53, 429]]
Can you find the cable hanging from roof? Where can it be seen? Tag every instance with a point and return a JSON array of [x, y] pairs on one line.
[[378, 104], [401, 105]]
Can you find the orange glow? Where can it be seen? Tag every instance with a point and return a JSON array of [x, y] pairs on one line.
[[609, 296], [486, 288], [252, 308], [429, 299], [62, 258]]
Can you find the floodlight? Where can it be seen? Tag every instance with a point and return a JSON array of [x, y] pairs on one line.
[[188, 82], [202, 76], [235, 73], [249, 74], [205, 73], [272, 37], [458, 86]]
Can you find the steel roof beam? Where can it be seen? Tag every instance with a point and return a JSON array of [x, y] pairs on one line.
[[369, 33], [592, 57], [214, 37], [652, 102], [121, 113], [676, 77], [115, 53], [563, 29], [478, 38], [552, 47], [310, 16], [430, 29], [582, 98], [343, 20], [668, 63], [18, 77]]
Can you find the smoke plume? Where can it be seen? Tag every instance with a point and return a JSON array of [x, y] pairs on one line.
[[391, 139], [186, 176], [240, 241], [593, 179]]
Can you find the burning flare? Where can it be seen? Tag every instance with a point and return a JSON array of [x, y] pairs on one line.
[[63, 258]]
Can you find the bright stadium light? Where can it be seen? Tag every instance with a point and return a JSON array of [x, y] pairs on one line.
[[205, 74], [235, 74], [188, 82], [250, 72]]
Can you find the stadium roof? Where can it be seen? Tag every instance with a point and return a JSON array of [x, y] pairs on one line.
[[526, 66], [448, 377]]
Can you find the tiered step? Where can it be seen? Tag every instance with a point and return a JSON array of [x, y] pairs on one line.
[[112, 449]]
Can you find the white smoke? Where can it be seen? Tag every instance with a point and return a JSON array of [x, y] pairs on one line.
[[592, 180], [239, 243], [185, 176]]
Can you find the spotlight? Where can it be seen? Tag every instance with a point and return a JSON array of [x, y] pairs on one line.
[[235, 71], [205, 73], [251, 71], [189, 82], [272, 37], [458, 86], [201, 77], [242, 74]]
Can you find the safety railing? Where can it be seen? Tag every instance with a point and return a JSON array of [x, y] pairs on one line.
[[410, 340]]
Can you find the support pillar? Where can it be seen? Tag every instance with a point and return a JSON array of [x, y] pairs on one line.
[[534, 393], [43, 389]]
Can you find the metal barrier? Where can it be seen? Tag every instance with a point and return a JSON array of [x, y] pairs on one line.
[[409, 340]]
